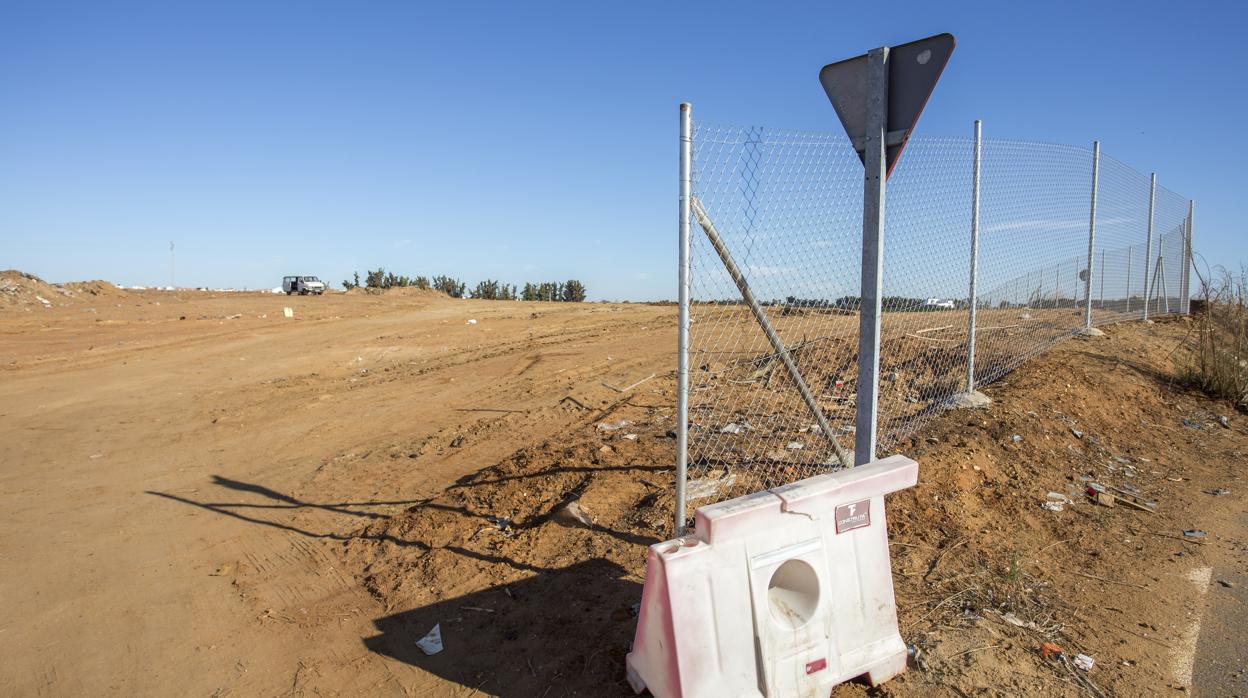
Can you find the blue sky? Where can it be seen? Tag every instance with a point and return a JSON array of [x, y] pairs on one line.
[[528, 140]]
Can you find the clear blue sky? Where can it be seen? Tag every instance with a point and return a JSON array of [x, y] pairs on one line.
[[529, 140]]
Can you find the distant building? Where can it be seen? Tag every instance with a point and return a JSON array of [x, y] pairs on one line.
[[938, 303]]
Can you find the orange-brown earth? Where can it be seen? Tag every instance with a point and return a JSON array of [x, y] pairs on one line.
[[202, 496]]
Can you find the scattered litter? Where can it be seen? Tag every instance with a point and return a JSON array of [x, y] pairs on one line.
[[795, 446], [1017, 438], [477, 608], [710, 485], [573, 513], [1078, 434], [612, 426], [1217, 491], [288, 312], [1190, 424], [235, 316], [1224, 421], [1084, 662], [1054, 506], [457, 441], [1049, 649], [431, 644], [734, 428], [472, 322], [1015, 620], [1227, 583], [630, 437], [1194, 533]]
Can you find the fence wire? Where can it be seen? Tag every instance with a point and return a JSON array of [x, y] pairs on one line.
[[787, 208]]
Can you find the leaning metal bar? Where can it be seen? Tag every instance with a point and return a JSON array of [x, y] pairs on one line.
[[682, 351], [1087, 282], [870, 309], [776, 344], [1148, 248], [971, 300]]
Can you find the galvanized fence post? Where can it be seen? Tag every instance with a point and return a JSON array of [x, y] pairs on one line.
[[1148, 246], [1130, 251], [1087, 282], [870, 309], [682, 351], [971, 300], [1187, 257]]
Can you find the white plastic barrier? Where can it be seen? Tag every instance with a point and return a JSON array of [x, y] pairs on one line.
[[782, 593]]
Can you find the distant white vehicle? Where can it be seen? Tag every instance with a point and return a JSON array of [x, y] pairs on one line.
[[303, 285], [938, 303]]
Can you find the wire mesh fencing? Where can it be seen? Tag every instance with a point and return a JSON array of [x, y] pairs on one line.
[[775, 270]]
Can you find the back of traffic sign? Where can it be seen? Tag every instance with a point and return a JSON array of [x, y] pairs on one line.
[[913, 70]]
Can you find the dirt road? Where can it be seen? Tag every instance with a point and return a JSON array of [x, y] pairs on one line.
[[117, 410], [201, 496]]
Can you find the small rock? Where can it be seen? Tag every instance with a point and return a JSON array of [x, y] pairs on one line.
[[1227, 583], [457, 441]]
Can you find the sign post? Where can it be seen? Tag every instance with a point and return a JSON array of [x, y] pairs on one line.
[[878, 97]]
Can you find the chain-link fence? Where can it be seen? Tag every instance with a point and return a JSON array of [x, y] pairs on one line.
[[777, 219]]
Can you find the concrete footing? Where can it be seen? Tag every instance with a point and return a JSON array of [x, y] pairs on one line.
[[970, 400]]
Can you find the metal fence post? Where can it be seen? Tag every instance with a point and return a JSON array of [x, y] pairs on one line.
[[972, 301], [682, 350], [1128, 285], [1187, 258], [1101, 302], [1087, 282], [873, 196], [1148, 247]]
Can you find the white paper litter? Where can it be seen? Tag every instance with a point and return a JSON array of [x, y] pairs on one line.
[[432, 643]]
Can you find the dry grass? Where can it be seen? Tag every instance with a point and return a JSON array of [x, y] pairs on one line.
[[1219, 363]]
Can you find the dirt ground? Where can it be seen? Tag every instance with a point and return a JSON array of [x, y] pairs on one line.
[[201, 496]]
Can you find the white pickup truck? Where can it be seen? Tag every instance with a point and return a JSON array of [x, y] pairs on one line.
[[303, 285]]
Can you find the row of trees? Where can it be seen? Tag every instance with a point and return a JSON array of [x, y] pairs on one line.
[[570, 291]]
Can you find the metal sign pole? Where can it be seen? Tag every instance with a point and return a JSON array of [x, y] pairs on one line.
[[682, 360], [873, 196]]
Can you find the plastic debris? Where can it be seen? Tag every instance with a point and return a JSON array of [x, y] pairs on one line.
[[472, 322], [572, 513], [732, 428], [795, 446], [710, 485], [1224, 421], [1078, 434], [1049, 649], [1218, 491], [1194, 533], [1017, 438], [431, 643], [1084, 662], [288, 312], [613, 426]]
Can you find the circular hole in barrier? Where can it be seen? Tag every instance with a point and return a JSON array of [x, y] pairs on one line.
[[793, 594]]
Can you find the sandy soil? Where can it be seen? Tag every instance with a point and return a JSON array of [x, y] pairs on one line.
[[201, 496]]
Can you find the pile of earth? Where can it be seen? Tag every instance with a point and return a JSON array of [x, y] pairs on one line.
[[19, 289]]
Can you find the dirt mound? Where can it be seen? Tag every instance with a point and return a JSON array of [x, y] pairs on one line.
[[417, 292], [97, 287], [20, 290]]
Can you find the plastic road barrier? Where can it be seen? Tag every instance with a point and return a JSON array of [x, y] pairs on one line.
[[786, 592]]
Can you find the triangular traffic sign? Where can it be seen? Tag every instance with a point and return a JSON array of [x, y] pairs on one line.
[[913, 70]]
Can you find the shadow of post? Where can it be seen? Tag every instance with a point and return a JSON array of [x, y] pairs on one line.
[[561, 632]]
